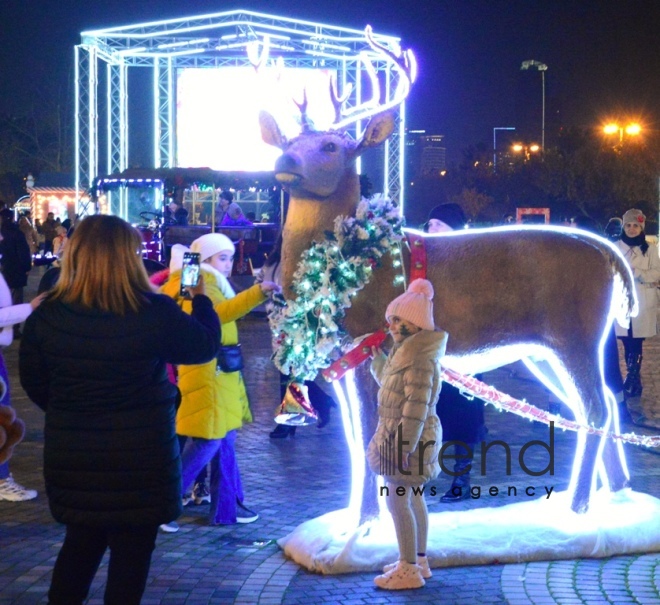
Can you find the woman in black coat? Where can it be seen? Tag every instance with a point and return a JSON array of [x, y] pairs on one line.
[[93, 358]]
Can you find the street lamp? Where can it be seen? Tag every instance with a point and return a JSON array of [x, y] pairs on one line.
[[526, 150], [632, 130], [542, 67], [495, 142]]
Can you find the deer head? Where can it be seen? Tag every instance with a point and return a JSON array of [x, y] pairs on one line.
[[318, 168]]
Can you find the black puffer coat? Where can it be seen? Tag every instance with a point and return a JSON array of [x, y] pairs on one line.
[[111, 457], [16, 258]]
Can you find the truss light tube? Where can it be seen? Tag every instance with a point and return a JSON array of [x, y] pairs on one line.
[[157, 124], [171, 160], [124, 30], [183, 43], [232, 45], [177, 53], [327, 45], [132, 51], [270, 35], [108, 72], [76, 123], [319, 53]]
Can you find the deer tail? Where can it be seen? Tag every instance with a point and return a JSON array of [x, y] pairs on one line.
[[624, 296]]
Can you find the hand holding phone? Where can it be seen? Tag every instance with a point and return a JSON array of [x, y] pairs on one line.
[[198, 289], [190, 272]]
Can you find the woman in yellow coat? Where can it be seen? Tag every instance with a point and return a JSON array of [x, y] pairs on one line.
[[214, 402]]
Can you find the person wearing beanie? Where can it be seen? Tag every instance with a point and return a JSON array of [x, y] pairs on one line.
[[614, 229], [445, 217], [462, 419], [404, 448], [645, 264], [214, 402]]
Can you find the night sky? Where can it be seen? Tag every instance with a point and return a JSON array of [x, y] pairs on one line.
[[603, 56]]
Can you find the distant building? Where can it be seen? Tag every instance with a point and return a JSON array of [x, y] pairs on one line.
[[426, 154]]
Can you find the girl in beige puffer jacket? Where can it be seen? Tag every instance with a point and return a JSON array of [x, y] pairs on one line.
[[405, 446]]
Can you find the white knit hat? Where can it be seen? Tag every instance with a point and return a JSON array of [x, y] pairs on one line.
[[414, 305], [634, 216], [211, 244], [176, 256]]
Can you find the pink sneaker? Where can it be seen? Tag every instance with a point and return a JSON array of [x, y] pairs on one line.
[[422, 562], [403, 576]]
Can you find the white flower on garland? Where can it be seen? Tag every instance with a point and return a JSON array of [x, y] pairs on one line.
[[307, 330]]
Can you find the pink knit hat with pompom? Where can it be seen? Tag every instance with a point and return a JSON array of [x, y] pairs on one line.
[[414, 305]]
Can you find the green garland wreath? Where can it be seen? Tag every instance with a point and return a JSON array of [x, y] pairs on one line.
[[307, 330]]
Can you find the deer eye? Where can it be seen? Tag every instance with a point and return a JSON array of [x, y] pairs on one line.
[[330, 147]]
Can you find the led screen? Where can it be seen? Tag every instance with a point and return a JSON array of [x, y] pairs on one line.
[[218, 113]]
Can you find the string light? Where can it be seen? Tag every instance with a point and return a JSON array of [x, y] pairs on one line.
[[328, 277]]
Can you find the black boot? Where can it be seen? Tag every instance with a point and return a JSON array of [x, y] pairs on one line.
[[282, 431], [460, 486], [323, 410], [632, 386]]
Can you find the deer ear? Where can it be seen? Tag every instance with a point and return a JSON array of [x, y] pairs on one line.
[[270, 131], [378, 130]]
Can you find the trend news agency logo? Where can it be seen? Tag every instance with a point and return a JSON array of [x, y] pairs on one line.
[[391, 462]]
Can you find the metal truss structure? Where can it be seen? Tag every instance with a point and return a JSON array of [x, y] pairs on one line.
[[213, 40]]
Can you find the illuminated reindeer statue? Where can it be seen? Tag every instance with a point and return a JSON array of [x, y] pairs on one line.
[[502, 295]]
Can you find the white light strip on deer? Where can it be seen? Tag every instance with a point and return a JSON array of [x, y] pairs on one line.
[[350, 419]]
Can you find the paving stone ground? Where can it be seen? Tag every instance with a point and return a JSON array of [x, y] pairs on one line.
[[289, 481]]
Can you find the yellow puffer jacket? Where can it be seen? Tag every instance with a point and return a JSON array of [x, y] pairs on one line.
[[213, 402]]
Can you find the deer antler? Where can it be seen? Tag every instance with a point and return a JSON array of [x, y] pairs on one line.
[[258, 60], [305, 121], [338, 101], [406, 65]]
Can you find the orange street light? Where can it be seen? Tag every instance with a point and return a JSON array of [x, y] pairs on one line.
[[632, 129], [526, 150]]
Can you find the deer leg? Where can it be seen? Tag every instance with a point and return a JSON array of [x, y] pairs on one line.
[[614, 471], [585, 473], [368, 393]]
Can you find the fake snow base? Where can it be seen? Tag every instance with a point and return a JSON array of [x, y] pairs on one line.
[[538, 530]]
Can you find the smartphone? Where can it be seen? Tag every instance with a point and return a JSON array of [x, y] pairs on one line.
[[189, 271]]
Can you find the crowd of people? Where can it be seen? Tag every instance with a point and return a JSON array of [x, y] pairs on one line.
[[108, 352]]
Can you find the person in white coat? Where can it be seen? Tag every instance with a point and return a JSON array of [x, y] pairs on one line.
[[645, 264], [11, 315]]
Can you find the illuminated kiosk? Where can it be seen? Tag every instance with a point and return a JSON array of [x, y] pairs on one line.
[[181, 61]]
